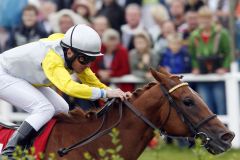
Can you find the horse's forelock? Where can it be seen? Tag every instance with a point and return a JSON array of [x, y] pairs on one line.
[[140, 91]]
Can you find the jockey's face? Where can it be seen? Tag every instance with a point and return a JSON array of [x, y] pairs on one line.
[[76, 65]]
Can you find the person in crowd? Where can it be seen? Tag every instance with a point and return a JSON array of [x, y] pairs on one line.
[[220, 9], [63, 4], [146, 8], [159, 14], [189, 26], [100, 24], [83, 8], [46, 9], [113, 12], [62, 20], [211, 53], [142, 57], [177, 12], [133, 19], [5, 35], [237, 26], [10, 12], [193, 5], [30, 30], [161, 44], [176, 59], [115, 62]]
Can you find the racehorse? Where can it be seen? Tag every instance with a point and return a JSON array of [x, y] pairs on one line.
[[168, 104]]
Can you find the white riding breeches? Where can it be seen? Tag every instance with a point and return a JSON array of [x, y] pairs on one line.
[[42, 103]]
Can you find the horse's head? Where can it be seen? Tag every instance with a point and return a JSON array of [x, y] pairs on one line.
[[186, 114]]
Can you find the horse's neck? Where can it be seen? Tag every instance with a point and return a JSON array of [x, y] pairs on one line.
[[136, 134]]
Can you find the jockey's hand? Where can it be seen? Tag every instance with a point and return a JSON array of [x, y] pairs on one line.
[[118, 93]]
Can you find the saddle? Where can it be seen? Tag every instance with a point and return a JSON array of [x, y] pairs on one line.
[[39, 143]]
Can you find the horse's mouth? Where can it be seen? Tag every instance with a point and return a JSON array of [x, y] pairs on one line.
[[216, 148]]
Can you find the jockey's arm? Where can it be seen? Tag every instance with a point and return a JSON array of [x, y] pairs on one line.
[[53, 66], [89, 78]]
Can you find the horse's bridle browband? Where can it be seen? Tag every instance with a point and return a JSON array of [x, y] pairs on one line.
[[193, 128]]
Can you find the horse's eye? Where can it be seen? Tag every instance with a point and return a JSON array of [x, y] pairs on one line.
[[188, 102]]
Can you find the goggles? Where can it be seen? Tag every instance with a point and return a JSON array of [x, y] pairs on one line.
[[82, 58]]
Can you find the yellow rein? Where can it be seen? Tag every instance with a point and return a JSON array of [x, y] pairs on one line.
[[177, 86]]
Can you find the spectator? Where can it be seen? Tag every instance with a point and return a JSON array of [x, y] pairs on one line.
[[191, 24], [211, 53], [4, 34], [237, 25], [220, 8], [64, 19], [83, 8], [10, 12], [115, 61], [161, 43], [133, 19], [147, 18], [176, 58], [63, 4], [159, 14], [113, 12], [100, 24], [193, 5], [47, 8], [30, 30], [142, 56], [177, 12]]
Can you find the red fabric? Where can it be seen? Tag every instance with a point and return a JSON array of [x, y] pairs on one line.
[[205, 38], [40, 141], [119, 66]]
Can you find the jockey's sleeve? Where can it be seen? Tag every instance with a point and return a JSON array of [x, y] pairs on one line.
[[53, 67], [89, 78]]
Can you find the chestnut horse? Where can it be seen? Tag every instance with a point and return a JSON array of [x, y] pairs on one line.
[[168, 104]]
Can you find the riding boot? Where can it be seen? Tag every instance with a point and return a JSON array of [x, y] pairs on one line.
[[21, 137]]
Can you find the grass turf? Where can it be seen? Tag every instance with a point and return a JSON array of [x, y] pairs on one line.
[[169, 152]]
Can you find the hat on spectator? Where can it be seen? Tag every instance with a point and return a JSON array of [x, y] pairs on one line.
[[159, 13], [55, 18], [109, 34], [85, 3]]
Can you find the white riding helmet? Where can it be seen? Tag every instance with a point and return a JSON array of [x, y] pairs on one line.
[[83, 39]]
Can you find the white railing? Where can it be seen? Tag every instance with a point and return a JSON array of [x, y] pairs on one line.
[[232, 80]]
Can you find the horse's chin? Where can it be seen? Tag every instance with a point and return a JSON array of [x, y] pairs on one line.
[[215, 148]]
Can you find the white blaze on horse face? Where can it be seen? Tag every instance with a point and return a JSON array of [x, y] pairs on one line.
[[1, 147]]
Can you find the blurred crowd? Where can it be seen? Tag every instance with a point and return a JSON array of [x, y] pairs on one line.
[[183, 36]]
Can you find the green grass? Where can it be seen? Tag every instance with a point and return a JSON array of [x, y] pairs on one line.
[[170, 152]]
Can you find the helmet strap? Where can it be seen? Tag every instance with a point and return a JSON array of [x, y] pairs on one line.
[[69, 61]]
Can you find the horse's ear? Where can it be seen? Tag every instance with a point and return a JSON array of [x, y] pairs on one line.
[[164, 71], [157, 75]]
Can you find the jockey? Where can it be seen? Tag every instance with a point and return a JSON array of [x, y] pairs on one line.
[[27, 71]]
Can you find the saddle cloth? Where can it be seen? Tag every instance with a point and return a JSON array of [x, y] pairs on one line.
[[39, 142]]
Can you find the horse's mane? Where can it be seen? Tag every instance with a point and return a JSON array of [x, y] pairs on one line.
[[138, 92], [78, 115]]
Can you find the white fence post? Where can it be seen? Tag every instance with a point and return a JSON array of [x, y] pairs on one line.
[[233, 104]]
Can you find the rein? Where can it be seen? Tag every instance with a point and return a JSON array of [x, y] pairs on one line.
[[102, 113]]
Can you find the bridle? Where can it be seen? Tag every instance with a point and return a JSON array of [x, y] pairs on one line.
[[194, 128]]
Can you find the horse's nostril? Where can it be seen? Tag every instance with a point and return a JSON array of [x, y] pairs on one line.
[[227, 137]]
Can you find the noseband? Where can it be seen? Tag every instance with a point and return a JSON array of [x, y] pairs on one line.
[[194, 128]]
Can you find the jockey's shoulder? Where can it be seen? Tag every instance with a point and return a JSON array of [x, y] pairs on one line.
[[53, 37]]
